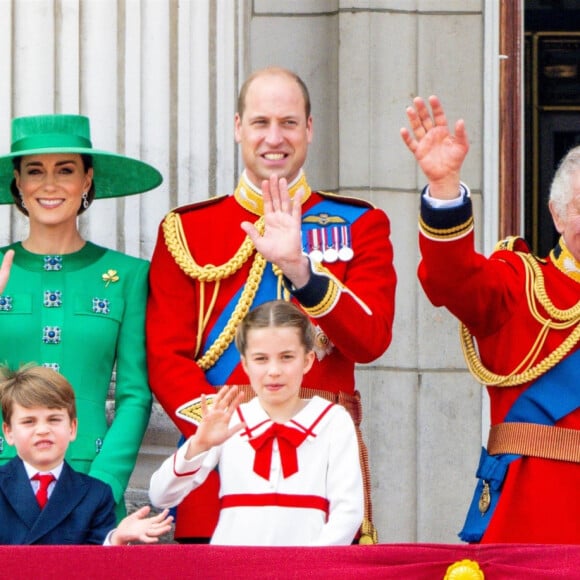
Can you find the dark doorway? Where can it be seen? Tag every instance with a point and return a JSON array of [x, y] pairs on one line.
[[552, 106]]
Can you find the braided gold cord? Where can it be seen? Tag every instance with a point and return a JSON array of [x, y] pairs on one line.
[[535, 292], [569, 315], [177, 245], [483, 375], [281, 292], [203, 320], [244, 304]]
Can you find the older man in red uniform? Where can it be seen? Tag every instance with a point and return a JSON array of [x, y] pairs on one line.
[[273, 238], [524, 313]]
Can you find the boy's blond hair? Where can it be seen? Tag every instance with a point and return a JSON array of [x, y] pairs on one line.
[[35, 386]]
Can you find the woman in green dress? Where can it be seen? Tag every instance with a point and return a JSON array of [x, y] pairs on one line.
[[72, 305]]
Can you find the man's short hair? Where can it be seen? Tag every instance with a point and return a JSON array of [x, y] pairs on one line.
[[273, 70]]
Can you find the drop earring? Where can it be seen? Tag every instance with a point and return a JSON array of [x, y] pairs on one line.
[[85, 197], [21, 199]]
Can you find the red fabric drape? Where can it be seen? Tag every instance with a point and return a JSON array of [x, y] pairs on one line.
[[408, 561]]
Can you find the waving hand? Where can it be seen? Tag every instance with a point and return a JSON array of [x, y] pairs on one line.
[[439, 153]]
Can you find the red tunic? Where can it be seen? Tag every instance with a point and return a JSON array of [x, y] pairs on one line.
[[357, 321], [539, 502]]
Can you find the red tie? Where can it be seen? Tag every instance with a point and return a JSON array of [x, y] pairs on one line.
[[288, 440], [42, 492]]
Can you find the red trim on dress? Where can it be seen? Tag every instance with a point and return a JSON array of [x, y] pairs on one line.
[[176, 473], [275, 499]]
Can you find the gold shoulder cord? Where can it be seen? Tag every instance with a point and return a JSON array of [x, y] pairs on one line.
[[177, 245], [558, 320]]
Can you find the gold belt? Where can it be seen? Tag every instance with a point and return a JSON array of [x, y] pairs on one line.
[[534, 440]]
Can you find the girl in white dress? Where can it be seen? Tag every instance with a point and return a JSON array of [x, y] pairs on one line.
[[289, 467]]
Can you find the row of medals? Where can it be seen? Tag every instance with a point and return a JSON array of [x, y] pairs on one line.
[[329, 244]]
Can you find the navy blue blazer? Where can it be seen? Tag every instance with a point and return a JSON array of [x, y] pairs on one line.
[[80, 510]]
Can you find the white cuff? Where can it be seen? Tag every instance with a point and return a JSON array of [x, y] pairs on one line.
[[448, 203]]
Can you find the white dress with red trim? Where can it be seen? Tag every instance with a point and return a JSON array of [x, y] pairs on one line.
[[297, 484]]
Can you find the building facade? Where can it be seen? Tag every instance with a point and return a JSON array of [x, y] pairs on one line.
[[159, 80]]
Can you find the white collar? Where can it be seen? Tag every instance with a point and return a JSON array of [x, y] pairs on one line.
[[307, 419], [32, 471]]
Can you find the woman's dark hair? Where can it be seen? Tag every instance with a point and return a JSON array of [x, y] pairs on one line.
[[87, 164]]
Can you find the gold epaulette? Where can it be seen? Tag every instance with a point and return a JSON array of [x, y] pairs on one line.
[[512, 244]]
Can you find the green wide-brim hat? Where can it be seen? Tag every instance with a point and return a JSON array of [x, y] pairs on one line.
[[114, 175]]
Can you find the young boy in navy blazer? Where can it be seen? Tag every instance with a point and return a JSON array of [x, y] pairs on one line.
[[39, 411]]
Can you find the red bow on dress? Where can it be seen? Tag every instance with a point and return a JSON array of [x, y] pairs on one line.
[[288, 441]]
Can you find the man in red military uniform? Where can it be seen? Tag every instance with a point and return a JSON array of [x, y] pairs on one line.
[[524, 313], [273, 238]]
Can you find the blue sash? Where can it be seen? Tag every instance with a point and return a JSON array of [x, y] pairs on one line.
[[219, 373], [550, 398]]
